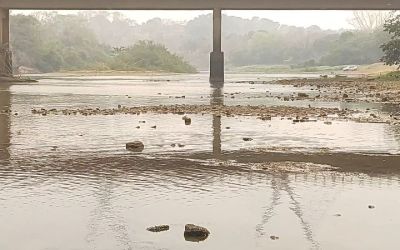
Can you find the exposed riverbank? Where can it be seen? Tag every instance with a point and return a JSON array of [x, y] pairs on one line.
[[342, 89], [10, 79]]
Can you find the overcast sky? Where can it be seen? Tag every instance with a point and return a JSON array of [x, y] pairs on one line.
[[324, 19]]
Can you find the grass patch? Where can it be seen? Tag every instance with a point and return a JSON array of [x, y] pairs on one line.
[[391, 76]]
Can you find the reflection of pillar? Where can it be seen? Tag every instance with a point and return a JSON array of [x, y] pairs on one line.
[[217, 99], [217, 148], [4, 123], [5, 60], [217, 56]]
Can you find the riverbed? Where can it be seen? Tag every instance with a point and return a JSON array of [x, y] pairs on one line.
[[67, 181]]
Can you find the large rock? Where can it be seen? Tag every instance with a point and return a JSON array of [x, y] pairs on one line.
[[195, 233], [136, 146]]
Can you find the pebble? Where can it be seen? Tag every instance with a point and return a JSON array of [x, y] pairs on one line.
[[159, 228]]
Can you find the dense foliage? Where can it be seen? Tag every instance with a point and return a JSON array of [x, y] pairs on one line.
[[150, 56], [391, 49], [65, 42], [51, 42]]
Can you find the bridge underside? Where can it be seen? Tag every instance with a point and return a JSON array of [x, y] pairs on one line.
[[216, 56], [202, 4]]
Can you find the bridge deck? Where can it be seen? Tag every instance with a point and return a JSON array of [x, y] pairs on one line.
[[202, 4]]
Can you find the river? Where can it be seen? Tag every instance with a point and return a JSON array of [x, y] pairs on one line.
[[67, 182]]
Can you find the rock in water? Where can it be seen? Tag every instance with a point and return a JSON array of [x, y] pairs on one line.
[[136, 146], [187, 120], [302, 95], [195, 233], [158, 228]]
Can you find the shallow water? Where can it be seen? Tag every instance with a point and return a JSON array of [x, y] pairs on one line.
[[67, 182]]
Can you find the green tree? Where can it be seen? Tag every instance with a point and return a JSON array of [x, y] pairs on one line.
[[147, 55], [391, 49]]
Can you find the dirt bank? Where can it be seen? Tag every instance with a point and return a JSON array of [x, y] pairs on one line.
[[9, 79]]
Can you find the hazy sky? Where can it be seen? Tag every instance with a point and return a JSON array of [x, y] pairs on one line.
[[324, 19]]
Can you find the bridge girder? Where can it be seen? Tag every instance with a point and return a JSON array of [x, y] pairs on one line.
[[202, 4]]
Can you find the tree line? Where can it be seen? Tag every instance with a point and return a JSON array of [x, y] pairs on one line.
[[110, 41], [66, 42]]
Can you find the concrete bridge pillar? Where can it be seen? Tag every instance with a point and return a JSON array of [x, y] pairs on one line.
[[5, 54], [217, 56]]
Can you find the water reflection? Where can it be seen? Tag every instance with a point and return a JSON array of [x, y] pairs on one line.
[[217, 99], [104, 214], [5, 104], [281, 183]]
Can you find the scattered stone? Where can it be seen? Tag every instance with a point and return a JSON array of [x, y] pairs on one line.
[[328, 123], [371, 206], [137, 127], [274, 237], [158, 228], [337, 215], [217, 110], [154, 126], [136, 146], [247, 139], [181, 145], [195, 233], [228, 127], [345, 96], [173, 145]]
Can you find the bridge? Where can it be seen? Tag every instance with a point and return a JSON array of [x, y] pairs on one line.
[[216, 56]]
